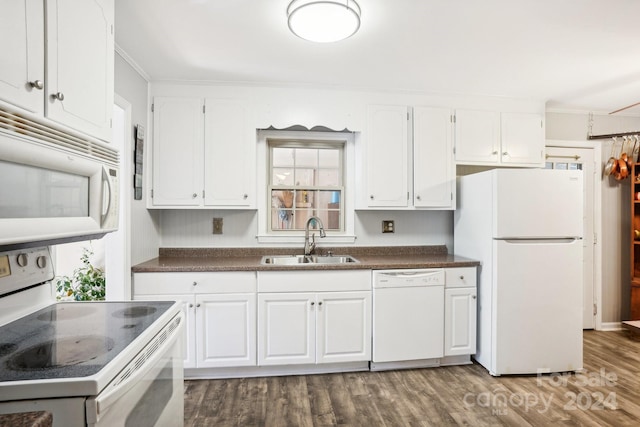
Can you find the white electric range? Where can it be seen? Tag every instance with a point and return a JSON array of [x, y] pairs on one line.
[[87, 363]]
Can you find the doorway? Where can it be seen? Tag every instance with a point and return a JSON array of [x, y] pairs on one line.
[[583, 158]]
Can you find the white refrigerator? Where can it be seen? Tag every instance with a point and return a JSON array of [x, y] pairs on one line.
[[525, 227]]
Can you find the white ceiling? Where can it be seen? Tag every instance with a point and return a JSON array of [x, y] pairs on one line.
[[574, 54]]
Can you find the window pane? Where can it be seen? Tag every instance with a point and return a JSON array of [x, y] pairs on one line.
[[305, 177], [282, 176], [562, 166], [306, 158], [328, 178], [281, 219], [282, 199], [548, 165], [283, 157], [329, 158]]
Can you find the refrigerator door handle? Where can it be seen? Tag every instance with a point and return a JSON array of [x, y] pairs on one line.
[[542, 241]]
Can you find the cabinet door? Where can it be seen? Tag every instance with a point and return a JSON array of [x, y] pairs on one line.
[[80, 64], [344, 327], [386, 146], [477, 137], [22, 54], [433, 166], [189, 310], [226, 330], [229, 152], [286, 329], [522, 138], [178, 131], [460, 321]]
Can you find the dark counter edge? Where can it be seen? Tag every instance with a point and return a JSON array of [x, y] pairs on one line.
[[248, 259]]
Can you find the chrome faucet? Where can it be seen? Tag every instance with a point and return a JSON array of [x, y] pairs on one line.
[[310, 246]]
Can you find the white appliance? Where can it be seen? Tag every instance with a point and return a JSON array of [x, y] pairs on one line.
[[408, 318], [525, 227], [55, 187], [87, 363]]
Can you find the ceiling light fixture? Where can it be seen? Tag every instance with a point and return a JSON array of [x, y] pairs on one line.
[[323, 21]]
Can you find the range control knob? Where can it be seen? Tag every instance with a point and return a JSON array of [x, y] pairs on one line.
[[22, 259], [41, 261]]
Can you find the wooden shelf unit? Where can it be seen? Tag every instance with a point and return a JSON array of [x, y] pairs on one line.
[[635, 242]]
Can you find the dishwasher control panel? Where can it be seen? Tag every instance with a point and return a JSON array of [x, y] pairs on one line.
[[408, 277]]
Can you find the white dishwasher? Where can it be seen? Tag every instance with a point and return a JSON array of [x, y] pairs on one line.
[[408, 318]]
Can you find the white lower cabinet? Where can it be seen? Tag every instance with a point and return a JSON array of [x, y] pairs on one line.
[[306, 328], [314, 317], [460, 311], [220, 311]]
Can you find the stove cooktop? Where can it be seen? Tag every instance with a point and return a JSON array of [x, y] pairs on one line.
[[72, 339]]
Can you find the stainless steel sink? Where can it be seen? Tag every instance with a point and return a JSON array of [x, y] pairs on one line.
[[302, 260]]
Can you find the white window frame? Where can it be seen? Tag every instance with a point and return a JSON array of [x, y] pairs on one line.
[[347, 235]]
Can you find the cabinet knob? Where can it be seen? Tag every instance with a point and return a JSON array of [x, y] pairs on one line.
[[313, 303], [461, 277], [195, 283], [320, 303], [505, 153], [473, 296], [371, 197], [194, 195], [190, 305], [418, 197], [59, 96], [245, 196], [37, 84], [198, 305], [494, 153]]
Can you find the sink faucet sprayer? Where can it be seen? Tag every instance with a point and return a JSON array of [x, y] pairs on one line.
[[310, 246]]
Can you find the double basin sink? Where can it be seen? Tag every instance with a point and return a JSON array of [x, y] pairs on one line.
[[309, 260]]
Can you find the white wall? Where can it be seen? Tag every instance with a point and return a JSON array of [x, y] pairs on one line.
[[130, 85], [615, 209]]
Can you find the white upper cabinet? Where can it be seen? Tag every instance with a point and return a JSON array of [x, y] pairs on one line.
[[178, 138], [75, 86], [386, 148], [22, 59], [433, 167], [79, 84], [229, 154], [493, 138], [522, 139], [203, 154], [409, 158]]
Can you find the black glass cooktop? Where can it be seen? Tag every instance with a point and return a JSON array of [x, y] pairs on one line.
[[74, 339]]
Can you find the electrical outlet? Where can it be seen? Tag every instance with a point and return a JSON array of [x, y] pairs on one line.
[[217, 225], [388, 226]]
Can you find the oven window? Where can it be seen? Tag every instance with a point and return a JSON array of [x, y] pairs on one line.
[[33, 192], [151, 405]]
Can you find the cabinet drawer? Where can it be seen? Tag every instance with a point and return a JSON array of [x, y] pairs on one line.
[[314, 281], [460, 277], [194, 283]]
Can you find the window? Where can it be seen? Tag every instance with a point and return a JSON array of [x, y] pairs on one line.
[[305, 180]]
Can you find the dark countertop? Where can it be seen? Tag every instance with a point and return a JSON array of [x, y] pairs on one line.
[[27, 419], [248, 259]]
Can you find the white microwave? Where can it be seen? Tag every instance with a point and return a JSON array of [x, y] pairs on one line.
[[55, 187]]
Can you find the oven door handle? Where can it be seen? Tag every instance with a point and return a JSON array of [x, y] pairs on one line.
[[134, 371]]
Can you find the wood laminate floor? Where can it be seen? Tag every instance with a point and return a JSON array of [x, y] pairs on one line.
[[607, 393]]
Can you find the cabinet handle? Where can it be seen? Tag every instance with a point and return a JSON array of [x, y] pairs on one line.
[[320, 303], [194, 195], [59, 96], [197, 305], [190, 305], [313, 303], [494, 153], [37, 84], [505, 154], [195, 283], [245, 196], [473, 296]]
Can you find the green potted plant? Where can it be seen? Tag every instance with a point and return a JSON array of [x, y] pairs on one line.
[[87, 283]]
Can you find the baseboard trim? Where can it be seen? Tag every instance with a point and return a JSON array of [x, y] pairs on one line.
[[611, 326]]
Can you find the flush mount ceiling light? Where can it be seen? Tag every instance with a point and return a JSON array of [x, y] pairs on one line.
[[323, 21]]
